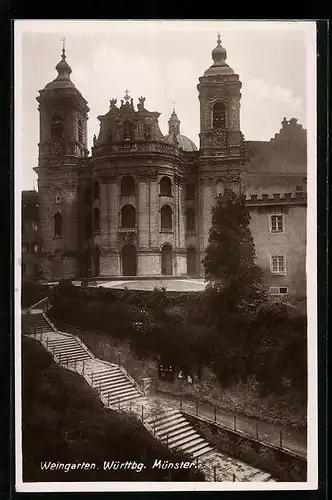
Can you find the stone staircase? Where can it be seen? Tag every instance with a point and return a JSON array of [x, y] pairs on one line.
[[113, 383], [173, 429], [118, 390], [35, 324]]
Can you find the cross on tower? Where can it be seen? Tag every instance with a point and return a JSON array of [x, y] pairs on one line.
[[218, 39], [63, 40], [173, 106], [127, 96]]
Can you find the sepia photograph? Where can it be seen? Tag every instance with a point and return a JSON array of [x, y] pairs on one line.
[[165, 255]]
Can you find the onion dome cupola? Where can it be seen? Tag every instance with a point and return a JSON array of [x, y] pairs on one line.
[[219, 96], [219, 66], [175, 137], [63, 119]]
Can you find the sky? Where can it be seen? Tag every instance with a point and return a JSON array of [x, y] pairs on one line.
[[162, 61]]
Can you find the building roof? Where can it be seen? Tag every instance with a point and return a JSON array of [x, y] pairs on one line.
[[219, 66], [285, 153], [175, 137]]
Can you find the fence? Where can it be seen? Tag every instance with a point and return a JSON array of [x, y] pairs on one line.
[[233, 422], [143, 412]]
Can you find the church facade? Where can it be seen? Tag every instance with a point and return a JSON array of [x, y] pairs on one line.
[[140, 203]]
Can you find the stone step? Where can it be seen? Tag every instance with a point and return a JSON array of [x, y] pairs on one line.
[[110, 388], [170, 424], [115, 395], [124, 400], [176, 430], [196, 447], [68, 352], [72, 359], [203, 451], [105, 375], [64, 346], [63, 340], [67, 349], [161, 414], [109, 382], [183, 441], [189, 443], [188, 433], [161, 418], [122, 397]]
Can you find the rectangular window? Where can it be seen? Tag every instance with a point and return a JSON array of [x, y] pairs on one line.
[[276, 290], [276, 223], [278, 264]]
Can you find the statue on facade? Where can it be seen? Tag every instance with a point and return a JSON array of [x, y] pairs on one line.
[[147, 132], [140, 106], [113, 103], [94, 140]]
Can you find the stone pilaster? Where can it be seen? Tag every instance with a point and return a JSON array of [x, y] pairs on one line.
[[206, 204], [154, 214], [104, 234], [113, 213], [143, 213]]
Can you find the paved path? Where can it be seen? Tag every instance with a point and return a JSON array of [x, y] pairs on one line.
[[292, 439], [171, 285]]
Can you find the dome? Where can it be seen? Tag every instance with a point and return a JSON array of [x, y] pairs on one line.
[[184, 142], [219, 66], [64, 71], [174, 136]]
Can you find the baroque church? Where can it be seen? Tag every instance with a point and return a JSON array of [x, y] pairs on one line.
[[140, 203]]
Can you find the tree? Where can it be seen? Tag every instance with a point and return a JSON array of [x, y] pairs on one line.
[[229, 260]]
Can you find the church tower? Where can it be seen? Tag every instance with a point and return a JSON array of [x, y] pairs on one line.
[[221, 140], [219, 95], [63, 149]]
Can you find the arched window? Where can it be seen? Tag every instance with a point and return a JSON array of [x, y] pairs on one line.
[[127, 131], [88, 226], [97, 220], [58, 225], [219, 115], [128, 186], [96, 190], [166, 260], [166, 217], [128, 216], [57, 127], [165, 187], [190, 191], [190, 220], [80, 130], [88, 196]]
